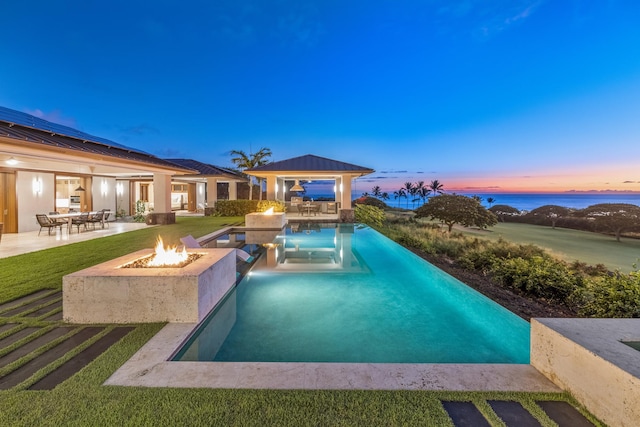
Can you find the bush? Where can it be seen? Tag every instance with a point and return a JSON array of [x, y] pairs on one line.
[[614, 295], [369, 215], [277, 206], [538, 276], [371, 201], [235, 207]]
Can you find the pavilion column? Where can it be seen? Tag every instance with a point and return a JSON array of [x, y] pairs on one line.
[[345, 191], [233, 190], [271, 188], [212, 192], [161, 192], [281, 189]]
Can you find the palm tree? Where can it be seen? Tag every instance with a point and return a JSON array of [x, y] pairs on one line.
[[408, 187], [376, 191], [244, 162], [491, 201], [436, 187], [399, 194]]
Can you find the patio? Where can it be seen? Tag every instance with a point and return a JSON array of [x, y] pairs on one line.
[[29, 241]]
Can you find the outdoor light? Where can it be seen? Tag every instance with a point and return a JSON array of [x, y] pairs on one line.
[[119, 189], [104, 187], [37, 186], [297, 187], [11, 161]]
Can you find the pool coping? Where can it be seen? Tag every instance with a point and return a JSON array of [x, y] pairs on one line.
[[151, 367]]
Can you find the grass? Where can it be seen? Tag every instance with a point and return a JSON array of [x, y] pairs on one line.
[[82, 400], [567, 244]]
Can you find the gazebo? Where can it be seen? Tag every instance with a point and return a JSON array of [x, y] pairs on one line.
[[309, 167]]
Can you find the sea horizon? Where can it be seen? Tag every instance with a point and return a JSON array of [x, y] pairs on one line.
[[520, 201]]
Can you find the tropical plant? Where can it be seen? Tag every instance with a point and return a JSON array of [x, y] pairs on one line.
[[141, 208], [376, 191], [399, 194], [245, 161], [491, 201], [409, 191], [436, 187], [551, 212], [370, 215], [456, 209], [502, 211], [614, 217]]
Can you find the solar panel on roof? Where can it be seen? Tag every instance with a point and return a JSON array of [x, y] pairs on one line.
[[24, 119]]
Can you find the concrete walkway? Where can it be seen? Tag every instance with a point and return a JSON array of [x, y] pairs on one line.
[[20, 243]]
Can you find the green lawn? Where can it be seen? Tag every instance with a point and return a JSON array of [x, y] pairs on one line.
[[570, 245], [83, 401]]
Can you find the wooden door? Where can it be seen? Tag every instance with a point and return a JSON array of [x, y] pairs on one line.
[[191, 195], [8, 204]]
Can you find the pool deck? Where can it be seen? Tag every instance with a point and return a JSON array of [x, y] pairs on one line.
[[150, 367]]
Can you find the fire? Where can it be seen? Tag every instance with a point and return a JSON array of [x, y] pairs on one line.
[[167, 257], [269, 211]]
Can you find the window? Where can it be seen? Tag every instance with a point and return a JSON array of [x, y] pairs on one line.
[[144, 192]]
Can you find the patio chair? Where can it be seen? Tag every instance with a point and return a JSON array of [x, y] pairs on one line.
[[106, 217], [332, 208], [314, 209], [46, 222], [96, 218], [58, 220], [80, 220]]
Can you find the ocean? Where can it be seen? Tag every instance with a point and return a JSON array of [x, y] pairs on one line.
[[526, 201]]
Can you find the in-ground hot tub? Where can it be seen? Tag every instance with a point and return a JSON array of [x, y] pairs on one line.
[[109, 293]]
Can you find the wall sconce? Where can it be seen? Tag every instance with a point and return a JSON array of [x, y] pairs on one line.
[[276, 188], [11, 161], [36, 186], [119, 189], [341, 188], [334, 188], [104, 187]]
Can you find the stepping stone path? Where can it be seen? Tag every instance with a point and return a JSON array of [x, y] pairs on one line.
[[34, 338], [513, 414], [34, 321]]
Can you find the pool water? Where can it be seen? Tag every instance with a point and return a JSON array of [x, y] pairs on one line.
[[348, 294]]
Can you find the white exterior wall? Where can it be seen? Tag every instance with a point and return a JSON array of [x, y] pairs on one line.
[[103, 190], [36, 192], [122, 196]]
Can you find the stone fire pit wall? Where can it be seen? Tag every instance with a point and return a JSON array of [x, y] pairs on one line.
[[106, 293]]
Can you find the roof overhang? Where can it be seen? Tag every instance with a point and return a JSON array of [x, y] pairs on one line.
[[36, 156]]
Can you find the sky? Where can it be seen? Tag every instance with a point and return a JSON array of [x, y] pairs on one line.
[[482, 95]]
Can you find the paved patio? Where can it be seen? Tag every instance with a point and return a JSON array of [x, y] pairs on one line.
[[20, 243]]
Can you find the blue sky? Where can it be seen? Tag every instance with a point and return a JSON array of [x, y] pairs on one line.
[[482, 95]]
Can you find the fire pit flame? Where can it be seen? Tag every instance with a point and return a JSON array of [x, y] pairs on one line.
[[167, 257], [268, 211]]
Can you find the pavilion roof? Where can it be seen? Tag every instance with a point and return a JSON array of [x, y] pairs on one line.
[[310, 163]]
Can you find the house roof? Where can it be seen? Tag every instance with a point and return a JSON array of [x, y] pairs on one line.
[[24, 127], [205, 169], [310, 163]]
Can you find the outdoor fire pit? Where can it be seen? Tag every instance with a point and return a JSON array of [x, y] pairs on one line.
[[266, 220], [130, 290]]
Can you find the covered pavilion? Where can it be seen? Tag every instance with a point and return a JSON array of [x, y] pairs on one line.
[[306, 168]]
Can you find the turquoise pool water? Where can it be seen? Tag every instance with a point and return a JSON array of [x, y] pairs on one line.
[[348, 294]]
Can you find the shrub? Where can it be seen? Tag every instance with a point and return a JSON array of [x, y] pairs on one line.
[[370, 215], [264, 205], [614, 295], [371, 201], [235, 207], [538, 276]]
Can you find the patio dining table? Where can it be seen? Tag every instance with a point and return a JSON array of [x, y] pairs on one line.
[[69, 217], [309, 207]]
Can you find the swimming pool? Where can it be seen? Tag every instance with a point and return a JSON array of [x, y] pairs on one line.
[[344, 293]]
